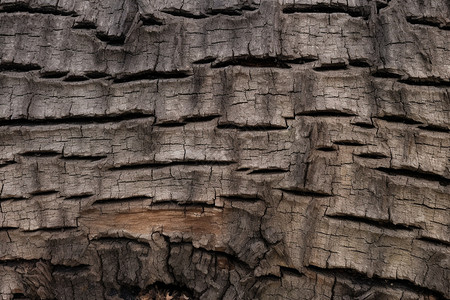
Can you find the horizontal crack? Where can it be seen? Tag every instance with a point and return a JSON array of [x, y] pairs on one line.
[[151, 20], [349, 143], [46, 9], [429, 81], [385, 224], [269, 171], [151, 75], [40, 153], [173, 163], [428, 176], [250, 127], [306, 193], [434, 241], [253, 61], [363, 279], [399, 119], [326, 113], [114, 40], [371, 155], [75, 120], [328, 9], [120, 200], [87, 157], [428, 21], [435, 128], [330, 67], [17, 67], [183, 13], [44, 193]]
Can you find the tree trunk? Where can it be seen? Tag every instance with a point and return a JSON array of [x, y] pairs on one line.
[[291, 149]]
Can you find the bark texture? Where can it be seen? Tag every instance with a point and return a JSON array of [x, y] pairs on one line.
[[291, 149]]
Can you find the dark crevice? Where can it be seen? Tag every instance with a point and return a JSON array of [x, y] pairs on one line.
[[13, 198], [371, 155], [428, 21], [182, 205], [226, 12], [174, 163], [119, 240], [81, 157], [306, 193], [364, 125], [242, 198], [22, 7], [249, 8], [112, 40], [434, 241], [18, 262], [71, 269], [183, 13], [54, 74], [78, 197], [5, 228], [196, 119], [362, 279], [151, 75], [7, 163], [96, 74], [326, 149], [242, 169], [20, 296], [328, 9], [150, 20], [206, 60], [108, 201], [399, 119], [75, 78], [44, 193], [84, 25], [75, 120], [53, 229], [361, 63], [251, 128], [42, 153], [373, 222], [380, 5], [252, 61], [269, 171], [300, 60], [326, 113], [17, 67], [430, 81], [170, 124], [349, 143], [428, 176], [435, 128], [290, 271], [383, 73], [330, 67]]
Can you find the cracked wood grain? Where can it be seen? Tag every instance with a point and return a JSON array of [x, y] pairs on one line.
[[224, 149]]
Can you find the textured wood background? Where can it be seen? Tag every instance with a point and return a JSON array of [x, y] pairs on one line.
[[291, 149]]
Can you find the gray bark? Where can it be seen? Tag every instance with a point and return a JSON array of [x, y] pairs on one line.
[[225, 149]]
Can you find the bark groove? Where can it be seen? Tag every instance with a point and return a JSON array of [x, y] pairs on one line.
[[264, 149]]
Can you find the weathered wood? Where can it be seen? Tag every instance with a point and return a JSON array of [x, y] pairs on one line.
[[224, 149]]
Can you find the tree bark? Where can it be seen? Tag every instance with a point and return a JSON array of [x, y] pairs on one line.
[[290, 149]]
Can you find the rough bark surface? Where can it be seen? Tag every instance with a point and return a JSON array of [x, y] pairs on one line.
[[291, 149]]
